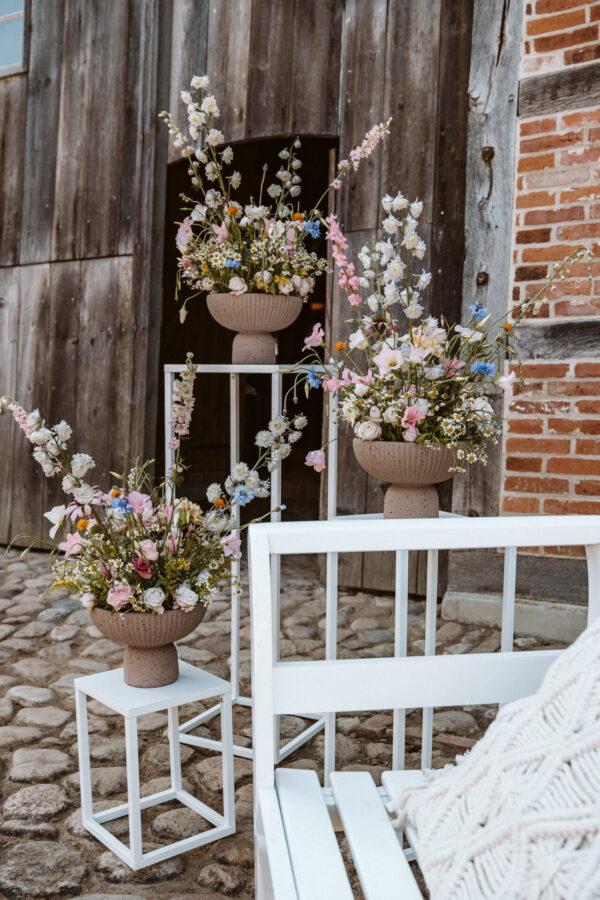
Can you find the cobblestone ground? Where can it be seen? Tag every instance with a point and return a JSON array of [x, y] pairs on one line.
[[47, 640]]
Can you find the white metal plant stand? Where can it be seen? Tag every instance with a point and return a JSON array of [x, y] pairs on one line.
[[110, 689], [276, 374]]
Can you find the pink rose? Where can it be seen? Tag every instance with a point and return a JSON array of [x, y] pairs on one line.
[[142, 568], [119, 596], [316, 459], [148, 550]]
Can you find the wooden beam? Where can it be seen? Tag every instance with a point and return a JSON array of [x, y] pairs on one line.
[[566, 89], [559, 340]]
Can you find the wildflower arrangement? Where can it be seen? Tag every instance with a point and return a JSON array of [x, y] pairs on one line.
[[263, 246], [136, 547], [415, 379]]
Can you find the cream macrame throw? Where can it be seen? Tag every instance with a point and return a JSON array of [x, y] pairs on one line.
[[518, 817]]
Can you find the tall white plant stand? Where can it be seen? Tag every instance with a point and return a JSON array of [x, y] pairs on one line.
[[110, 689], [276, 374]]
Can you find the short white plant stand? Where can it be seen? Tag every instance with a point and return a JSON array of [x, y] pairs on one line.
[[110, 689]]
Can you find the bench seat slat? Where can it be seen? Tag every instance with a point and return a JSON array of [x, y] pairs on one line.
[[394, 783], [319, 869], [381, 866]]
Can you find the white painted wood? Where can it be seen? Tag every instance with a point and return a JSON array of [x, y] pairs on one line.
[[318, 866], [394, 783], [273, 867], [227, 759], [348, 535], [593, 565], [331, 626], [276, 403], [262, 656], [117, 812], [174, 748], [508, 599], [400, 649], [417, 681], [234, 457], [133, 791], [110, 688], [168, 401], [380, 864], [430, 630]]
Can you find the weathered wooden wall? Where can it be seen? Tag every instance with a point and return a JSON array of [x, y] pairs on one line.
[[82, 173]]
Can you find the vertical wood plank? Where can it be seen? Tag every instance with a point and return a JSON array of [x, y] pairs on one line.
[[126, 399], [188, 55], [13, 93], [104, 157], [30, 390], [43, 101], [9, 332], [227, 62], [317, 44], [363, 72], [75, 130], [62, 363], [269, 69], [493, 86]]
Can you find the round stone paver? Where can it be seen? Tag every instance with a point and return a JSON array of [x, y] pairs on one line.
[[44, 801], [15, 735], [38, 765], [43, 716], [40, 869], [176, 824], [117, 871], [28, 695]]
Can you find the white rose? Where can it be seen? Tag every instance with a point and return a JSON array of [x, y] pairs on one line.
[[375, 414], [368, 431], [391, 416], [81, 463], [237, 285], [361, 389], [185, 598], [154, 599], [87, 600]]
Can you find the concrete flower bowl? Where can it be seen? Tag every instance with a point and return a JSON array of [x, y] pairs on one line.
[[411, 471], [150, 658], [254, 317]]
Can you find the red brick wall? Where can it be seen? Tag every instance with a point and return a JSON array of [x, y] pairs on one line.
[[552, 434]]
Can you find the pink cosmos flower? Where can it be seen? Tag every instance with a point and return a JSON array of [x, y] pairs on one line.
[[184, 233], [220, 231], [315, 338], [142, 568], [231, 545], [71, 545], [119, 596], [148, 550], [139, 502], [412, 414], [388, 358], [452, 366], [316, 459]]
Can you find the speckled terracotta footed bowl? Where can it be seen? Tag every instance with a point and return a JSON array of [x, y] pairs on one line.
[[150, 658], [254, 317], [411, 470]]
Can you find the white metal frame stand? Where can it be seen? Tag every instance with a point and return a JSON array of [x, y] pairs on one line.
[[110, 689], [276, 374]]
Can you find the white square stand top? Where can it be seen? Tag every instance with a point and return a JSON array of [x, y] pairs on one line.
[[110, 689]]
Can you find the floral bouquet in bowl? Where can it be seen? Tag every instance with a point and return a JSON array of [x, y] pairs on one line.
[[408, 383], [254, 260], [142, 560]]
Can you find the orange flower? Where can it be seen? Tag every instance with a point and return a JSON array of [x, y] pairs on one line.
[[339, 345], [82, 524], [507, 326], [298, 217], [219, 503], [232, 210], [115, 492]]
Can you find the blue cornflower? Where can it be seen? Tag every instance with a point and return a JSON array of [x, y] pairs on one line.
[[483, 368], [242, 495], [313, 228], [478, 311], [232, 263], [121, 503], [313, 380]]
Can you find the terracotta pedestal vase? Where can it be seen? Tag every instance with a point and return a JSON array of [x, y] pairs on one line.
[[412, 470], [150, 654], [254, 317]]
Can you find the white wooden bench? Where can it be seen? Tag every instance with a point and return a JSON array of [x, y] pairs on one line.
[[296, 849]]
